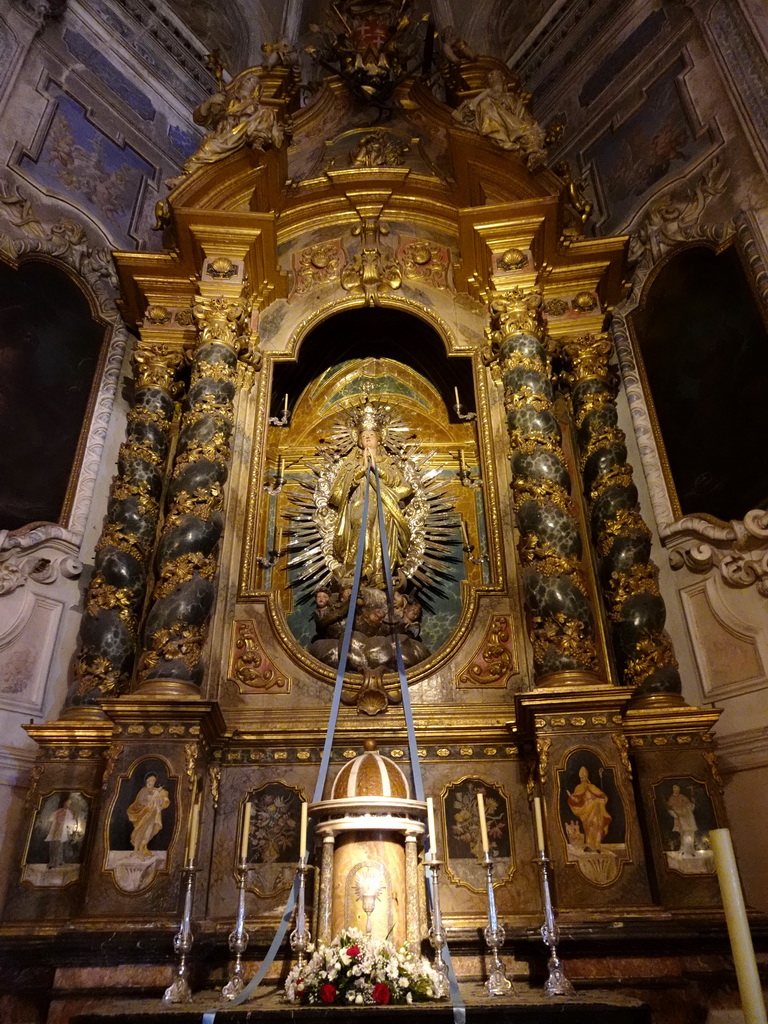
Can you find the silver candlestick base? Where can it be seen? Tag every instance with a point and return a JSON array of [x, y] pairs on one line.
[[300, 936], [438, 937], [498, 983], [179, 991], [557, 984], [238, 941]]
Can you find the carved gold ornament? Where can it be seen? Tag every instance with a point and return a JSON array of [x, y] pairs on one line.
[[249, 664], [155, 366], [512, 259], [494, 661]]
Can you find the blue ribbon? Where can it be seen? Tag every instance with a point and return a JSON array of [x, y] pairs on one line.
[[459, 1010]]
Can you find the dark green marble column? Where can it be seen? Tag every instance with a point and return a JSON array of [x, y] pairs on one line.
[[560, 617], [113, 603], [628, 577], [176, 626]]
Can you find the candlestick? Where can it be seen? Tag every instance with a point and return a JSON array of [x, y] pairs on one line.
[[456, 395], [750, 990], [303, 831], [244, 834], [438, 936], [539, 824], [556, 984], [280, 466], [285, 406], [300, 935], [179, 991], [432, 836], [238, 940], [498, 983], [483, 823]]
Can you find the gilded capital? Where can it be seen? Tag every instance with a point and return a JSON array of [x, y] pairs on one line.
[[220, 320], [155, 366], [589, 356], [517, 311]]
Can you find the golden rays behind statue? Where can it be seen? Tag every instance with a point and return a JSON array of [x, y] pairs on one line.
[[409, 522]]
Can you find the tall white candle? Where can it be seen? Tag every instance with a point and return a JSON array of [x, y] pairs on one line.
[[245, 830], [752, 1002], [285, 406], [483, 823], [456, 395], [303, 831], [431, 828], [539, 824]]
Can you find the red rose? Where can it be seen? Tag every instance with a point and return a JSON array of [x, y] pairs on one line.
[[381, 993], [353, 951], [328, 992]]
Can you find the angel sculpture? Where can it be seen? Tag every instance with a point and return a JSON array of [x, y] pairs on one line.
[[408, 529], [235, 118], [501, 114]]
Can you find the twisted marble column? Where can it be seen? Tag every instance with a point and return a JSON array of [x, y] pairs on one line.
[[109, 630], [560, 618], [176, 626], [628, 577]]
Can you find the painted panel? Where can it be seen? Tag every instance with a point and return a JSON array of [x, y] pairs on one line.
[[119, 83], [79, 162], [649, 148], [56, 842]]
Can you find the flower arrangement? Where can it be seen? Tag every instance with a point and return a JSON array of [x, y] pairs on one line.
[[357, 970]]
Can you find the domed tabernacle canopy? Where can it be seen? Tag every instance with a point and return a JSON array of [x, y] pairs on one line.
[[370, 774]]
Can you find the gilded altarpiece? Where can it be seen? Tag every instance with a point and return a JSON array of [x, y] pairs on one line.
[[447, 333]]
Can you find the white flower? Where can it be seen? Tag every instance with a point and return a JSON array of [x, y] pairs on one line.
[[359, 998], [409, 997]]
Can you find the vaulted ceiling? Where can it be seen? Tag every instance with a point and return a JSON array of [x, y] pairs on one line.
[[500, 28]]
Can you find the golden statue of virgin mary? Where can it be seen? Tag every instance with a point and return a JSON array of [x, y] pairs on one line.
[[366, 452], [385, 479]]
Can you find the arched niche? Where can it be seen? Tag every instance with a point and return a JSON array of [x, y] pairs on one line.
[[51, 347], [703, 349], [374, 332], [392, 357]]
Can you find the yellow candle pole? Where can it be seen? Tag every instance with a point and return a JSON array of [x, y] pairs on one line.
[[432, 830], [456, 396], [539, 824], [483, 823], [752, 1002], [244, 833], [194, 831], [189, 849]]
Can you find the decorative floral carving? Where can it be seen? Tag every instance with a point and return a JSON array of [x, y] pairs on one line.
[[738, 551], [250, 665], [319, 264], [676, 216], [495, 660], [425, 261]]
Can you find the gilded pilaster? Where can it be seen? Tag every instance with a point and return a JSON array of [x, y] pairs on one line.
[[628, 577], [176, 626], [560, 618], [115, 595]]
